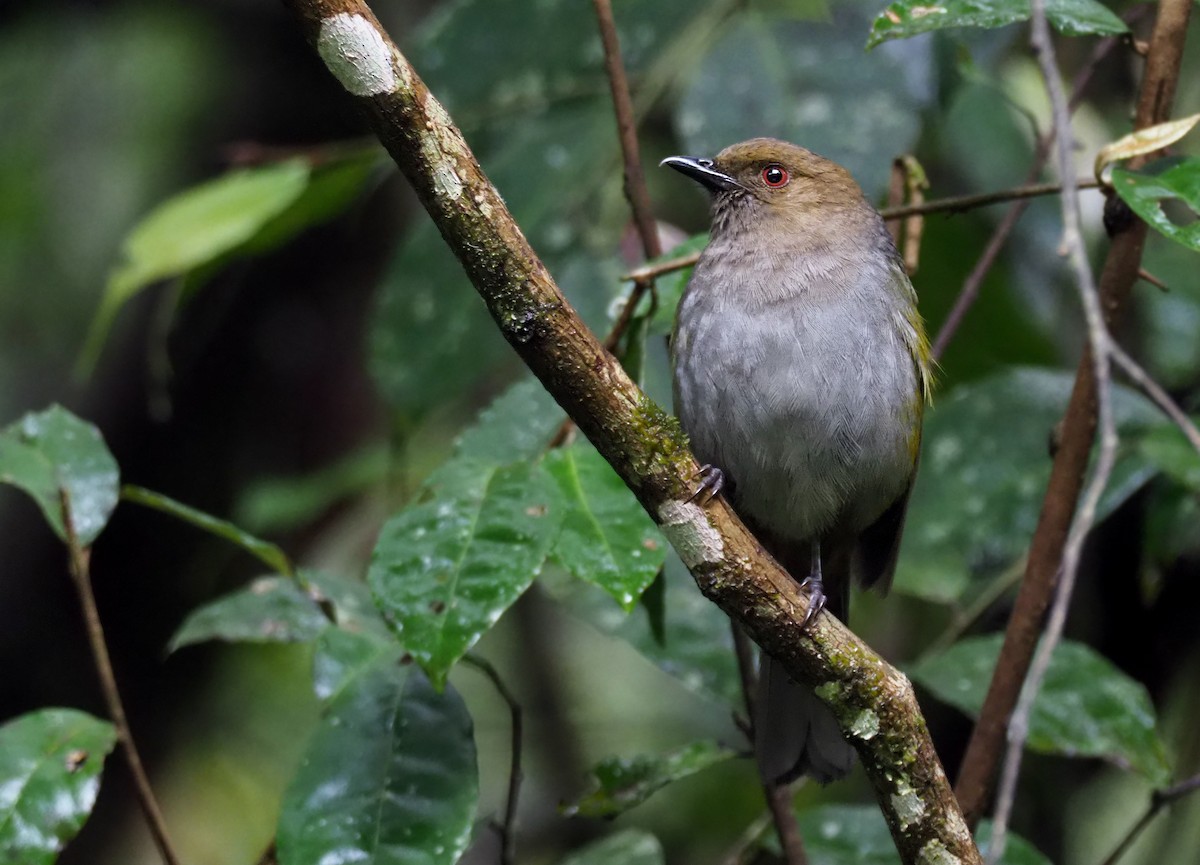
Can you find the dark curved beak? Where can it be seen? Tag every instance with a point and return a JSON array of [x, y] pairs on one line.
[[703, 172]]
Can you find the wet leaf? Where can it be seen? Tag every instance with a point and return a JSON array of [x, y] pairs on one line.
[[630, 847], [1165, 182], [389, 777], [50, 765], [52, 452], [606, 537], [616, 784], [1143, 141], [1086, 707], [907, 18], [268, 610]]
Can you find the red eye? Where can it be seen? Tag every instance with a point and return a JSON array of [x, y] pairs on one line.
[[775, 176]]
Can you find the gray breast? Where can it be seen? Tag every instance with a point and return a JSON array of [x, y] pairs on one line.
[[805, 399]]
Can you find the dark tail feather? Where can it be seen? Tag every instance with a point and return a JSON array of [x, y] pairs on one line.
[[795, 733]]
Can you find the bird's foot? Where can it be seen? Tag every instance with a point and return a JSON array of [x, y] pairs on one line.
[[814, 587], [712, 481]]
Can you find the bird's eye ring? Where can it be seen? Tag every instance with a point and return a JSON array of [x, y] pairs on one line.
[[775, 176]]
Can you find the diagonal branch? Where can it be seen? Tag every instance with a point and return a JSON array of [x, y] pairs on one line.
[[874, 703]]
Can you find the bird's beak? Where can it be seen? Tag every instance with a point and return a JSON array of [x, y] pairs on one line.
[[702, 171]]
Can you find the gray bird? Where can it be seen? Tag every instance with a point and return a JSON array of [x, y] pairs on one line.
[[801, 373]]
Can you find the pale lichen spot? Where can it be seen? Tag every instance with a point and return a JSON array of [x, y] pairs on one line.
[[907, 806], [447, 182], [935, 853], [357, 54], [922, 11], [688, 530], [865, 725]]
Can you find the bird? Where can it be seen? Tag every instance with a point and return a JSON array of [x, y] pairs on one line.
[[801, 372]]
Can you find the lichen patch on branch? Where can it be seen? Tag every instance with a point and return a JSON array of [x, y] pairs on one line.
[[357, 55], [688, 530]]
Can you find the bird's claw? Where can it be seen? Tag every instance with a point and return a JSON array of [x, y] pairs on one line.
[[814, 587], [712, 481]]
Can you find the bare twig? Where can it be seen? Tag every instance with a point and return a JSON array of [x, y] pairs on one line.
[[635, 180], [506, 828], [1071, 459], [960, 203], [1157, 395], [1158, 801], [1099, 344], [80, 565], [641, 442], [1149, 277]]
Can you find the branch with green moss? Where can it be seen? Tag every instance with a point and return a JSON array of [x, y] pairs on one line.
[[873, 702]]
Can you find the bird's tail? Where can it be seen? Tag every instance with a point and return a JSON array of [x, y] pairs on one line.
[[795, 733]]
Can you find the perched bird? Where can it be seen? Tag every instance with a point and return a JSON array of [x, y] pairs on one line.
[[801, 373]]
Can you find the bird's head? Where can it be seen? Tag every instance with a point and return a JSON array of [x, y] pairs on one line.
[[767, 178]]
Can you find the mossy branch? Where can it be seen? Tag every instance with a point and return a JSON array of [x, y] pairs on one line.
[[873, 701]]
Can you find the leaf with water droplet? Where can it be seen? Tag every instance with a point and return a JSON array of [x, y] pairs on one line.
[[389, 777], [53, 454], [50, 765], [1086, 707]]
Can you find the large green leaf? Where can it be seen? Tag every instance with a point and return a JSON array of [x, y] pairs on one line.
[[1086, 707], [906, 18], [53, 453], [1168, 180], [268, 610], [808, 82], [606, 536], [984, 468], [265, 551], [616, 784], [445, 570], [389, 777], [341, 656], [630, 847], [50, 764], [858, 835], [192, 229]]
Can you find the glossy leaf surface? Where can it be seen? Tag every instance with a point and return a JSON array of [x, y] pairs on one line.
[[268, 610], [908, 18]]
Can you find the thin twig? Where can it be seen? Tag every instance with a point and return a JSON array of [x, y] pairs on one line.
[[506, 829], [1157, 395], [964, 619], [1099, 343], [80, 565], [749, 836], [1149, 277], [635, 180], [1158, 801]]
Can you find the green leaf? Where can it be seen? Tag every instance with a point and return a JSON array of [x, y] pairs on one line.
[[606, 537], [1169, 449], [341, 656], [268, 610], [192, 229], [1164, 181], [50, 764], [906, 18], [615, 784], [858, 835], [1087, 707], [984, 468], [445, 570], [516, 426], [51, 453], [265, 551], [390, 776], [630, 847]]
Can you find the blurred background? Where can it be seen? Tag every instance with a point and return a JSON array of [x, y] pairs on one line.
[[303, 393]]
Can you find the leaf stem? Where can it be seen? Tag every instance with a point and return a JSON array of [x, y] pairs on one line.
[[79, 560], [506, 828]]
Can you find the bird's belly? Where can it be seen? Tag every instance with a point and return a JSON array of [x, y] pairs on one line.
[[814, 422]]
